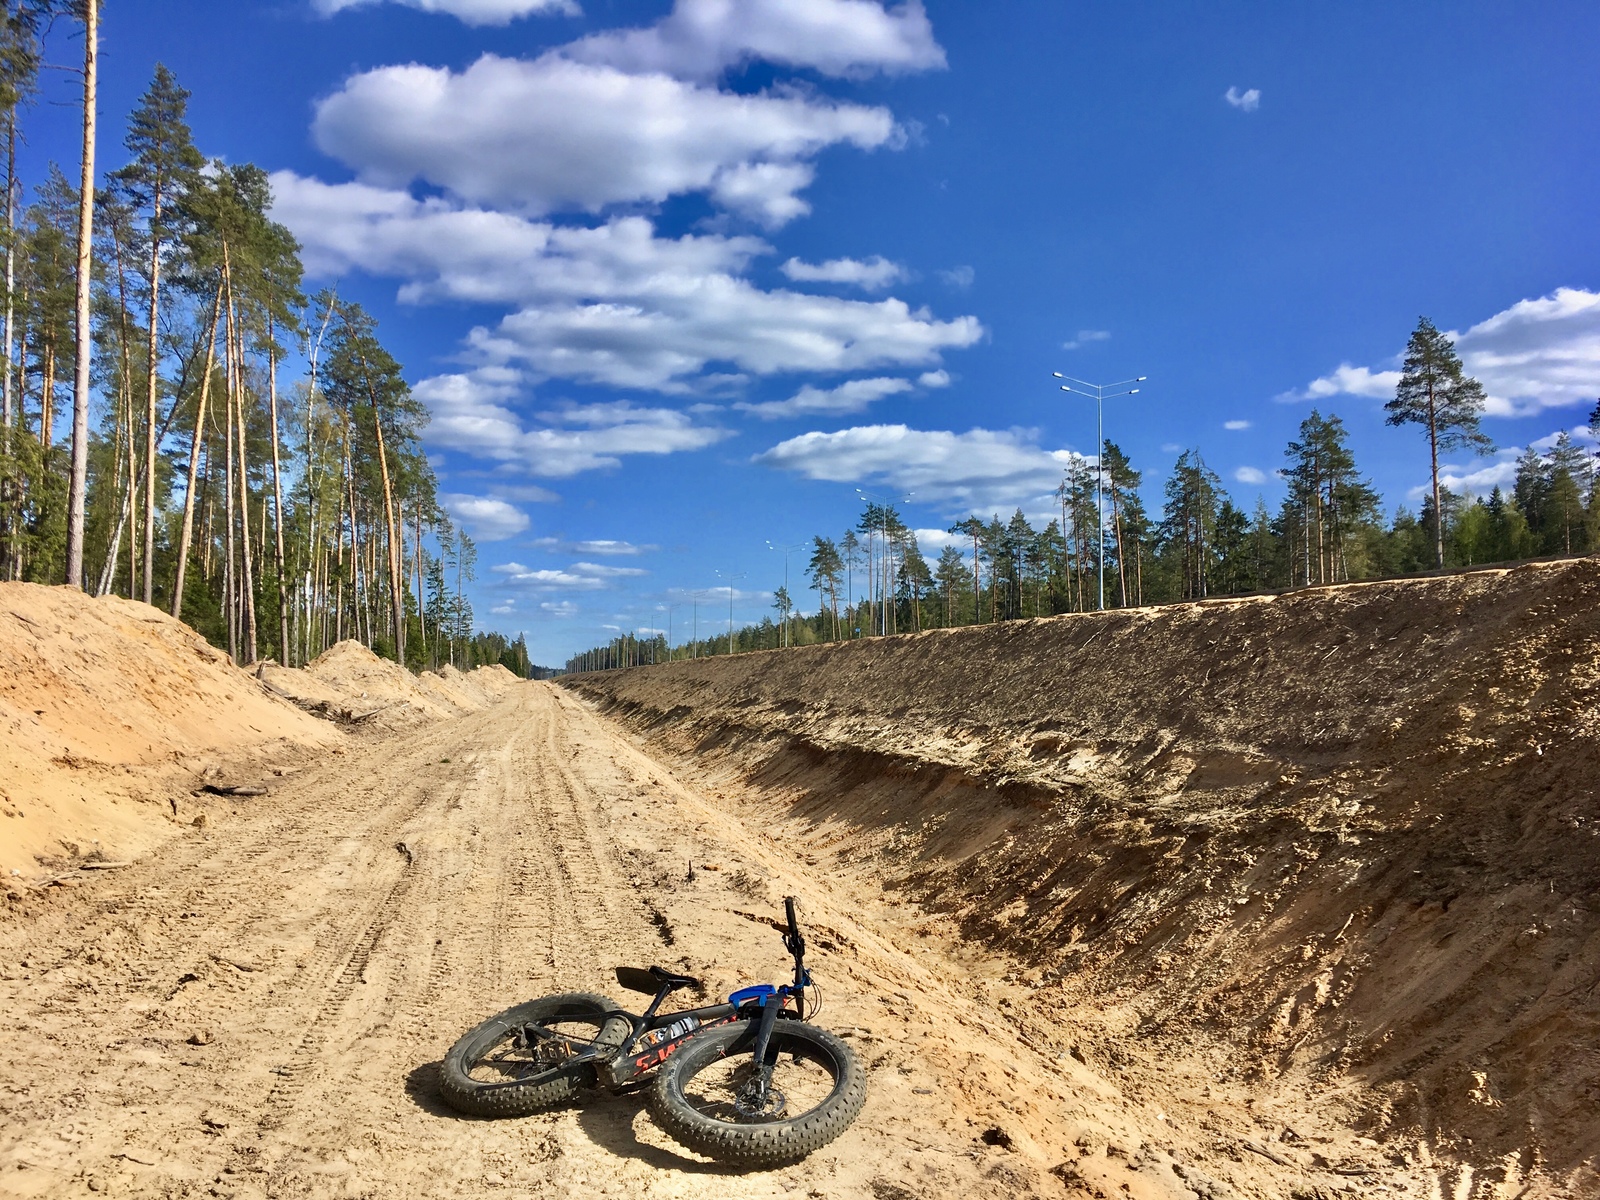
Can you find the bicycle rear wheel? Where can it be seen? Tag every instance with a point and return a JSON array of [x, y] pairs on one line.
[[519, 1061], [704, 1095]]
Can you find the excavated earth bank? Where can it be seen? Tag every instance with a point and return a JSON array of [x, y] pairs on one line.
[[1331, 856]]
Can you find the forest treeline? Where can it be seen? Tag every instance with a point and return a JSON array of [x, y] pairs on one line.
[[150, 444], [875, 578]]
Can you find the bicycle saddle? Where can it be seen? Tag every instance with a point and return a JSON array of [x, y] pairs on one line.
[[651, 981]]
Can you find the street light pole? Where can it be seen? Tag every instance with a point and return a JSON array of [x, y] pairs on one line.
[[1099, 393], [730, 580], [888, 556], [786, 550]]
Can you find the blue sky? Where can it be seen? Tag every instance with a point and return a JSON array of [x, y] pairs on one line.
[[675, 280]]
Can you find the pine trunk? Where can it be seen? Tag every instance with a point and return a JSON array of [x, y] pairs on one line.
[[77, 489], [194, 458]]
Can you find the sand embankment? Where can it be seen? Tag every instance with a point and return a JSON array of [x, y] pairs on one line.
[[115, 717], [1338, 848]]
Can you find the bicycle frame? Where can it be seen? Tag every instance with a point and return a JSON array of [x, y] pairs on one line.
[[763, 1003]]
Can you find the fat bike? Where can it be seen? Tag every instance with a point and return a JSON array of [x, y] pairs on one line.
[[746, 1082]]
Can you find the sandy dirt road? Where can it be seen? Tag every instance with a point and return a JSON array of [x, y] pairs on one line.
[[258, 1008]]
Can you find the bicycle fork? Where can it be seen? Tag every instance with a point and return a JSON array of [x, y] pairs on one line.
[[758, 1092]]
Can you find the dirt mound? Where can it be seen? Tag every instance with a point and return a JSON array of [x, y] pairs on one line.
[[111, 712], [351, 684], [1335, 850]]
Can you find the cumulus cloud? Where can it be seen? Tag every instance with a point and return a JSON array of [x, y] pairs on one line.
[[934, 379], [551, 134], [1086, 337], [472, 414], [473, 12], [702, 38], [726, 321], [447, 251], [1236, 426], [1536, 355], [486, 518], [605, 546], [978, 469], [611, 304], [1251, 475], [581, 576], [1244, 101], [849, 397], [872, 274], [1481, 478]]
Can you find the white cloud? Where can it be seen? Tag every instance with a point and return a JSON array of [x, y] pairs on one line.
[[581, 577], [487, 519], [975, 470], [473, 12], [872, 274], [1086, 337], [472, 415], [959, 278], [612, 304], [725, 321], [850, 397], [552, 134], [1535, 355], [450, 252], [1236, 426], [1251, 475], [1244, 101], [1480, 480], [934, 379], [558, 608], [1346, 380], [931, 541], [604, 546], [702, 38]]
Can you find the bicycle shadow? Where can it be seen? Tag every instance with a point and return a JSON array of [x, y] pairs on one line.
[[608, 1121], [422, 1089]]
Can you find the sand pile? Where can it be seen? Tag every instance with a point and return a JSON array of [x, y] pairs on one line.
[[350, 684], [1338, 848], [110, 711]]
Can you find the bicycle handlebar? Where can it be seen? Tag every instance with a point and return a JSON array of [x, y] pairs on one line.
[[796, 945]]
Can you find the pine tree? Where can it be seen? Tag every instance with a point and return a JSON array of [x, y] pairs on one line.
[[165, 165], [1436, 393]]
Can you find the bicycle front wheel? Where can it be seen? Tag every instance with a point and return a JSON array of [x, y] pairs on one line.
[[707, 1095]]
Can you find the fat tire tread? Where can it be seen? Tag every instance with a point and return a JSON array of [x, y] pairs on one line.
[[551, 1089], [767, 1145]]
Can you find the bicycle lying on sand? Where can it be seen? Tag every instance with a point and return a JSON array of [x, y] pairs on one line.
[[747, 1082]]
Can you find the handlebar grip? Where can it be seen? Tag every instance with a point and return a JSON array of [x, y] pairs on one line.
[[788, 908]]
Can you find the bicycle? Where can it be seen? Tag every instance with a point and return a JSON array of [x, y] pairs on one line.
[[747, 1082]]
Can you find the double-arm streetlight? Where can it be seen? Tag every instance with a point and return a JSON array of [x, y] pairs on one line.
[[1100, 393], [888, 558], [730, 580], [786, 550]]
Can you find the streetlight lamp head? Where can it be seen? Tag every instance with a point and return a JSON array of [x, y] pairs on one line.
[[1058, 374], [1141, 379], [1065, 388], [1135, 392]]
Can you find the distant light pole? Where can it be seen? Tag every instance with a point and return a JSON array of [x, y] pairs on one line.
[[786, 550], [730, 580], [1099, 393], [888, 558]]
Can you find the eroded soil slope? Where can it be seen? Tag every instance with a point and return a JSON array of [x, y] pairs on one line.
[[1331, 857]]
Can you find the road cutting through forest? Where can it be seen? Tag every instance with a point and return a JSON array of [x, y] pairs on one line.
[[257, 1007], [1091, 938]]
